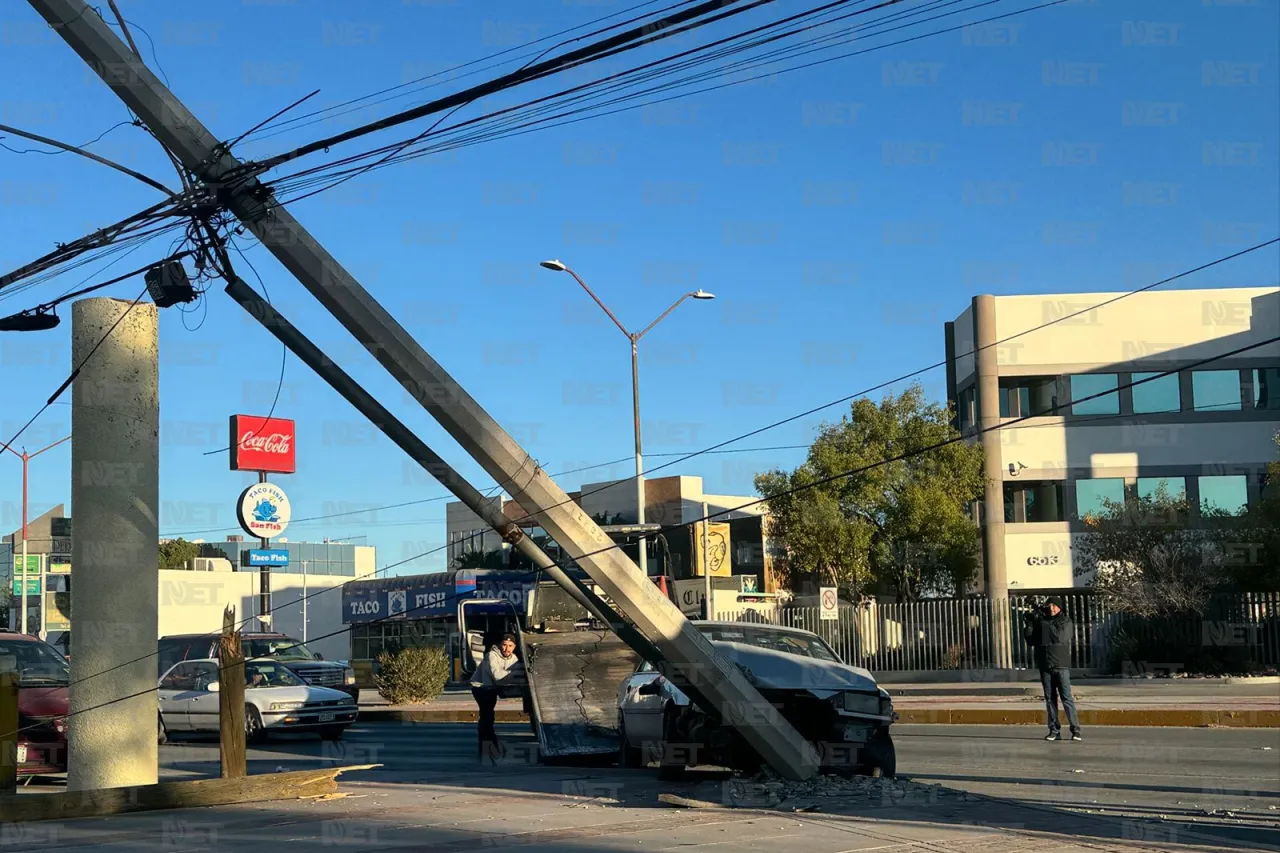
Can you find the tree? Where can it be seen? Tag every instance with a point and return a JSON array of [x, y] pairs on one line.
[[177, 553], [852, 519], [475, 559], [1150, 557]]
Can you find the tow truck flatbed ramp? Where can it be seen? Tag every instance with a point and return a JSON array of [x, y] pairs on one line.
[[574, 678]]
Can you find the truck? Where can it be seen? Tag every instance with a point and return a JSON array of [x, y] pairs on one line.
[[573, 665], [585, 687]]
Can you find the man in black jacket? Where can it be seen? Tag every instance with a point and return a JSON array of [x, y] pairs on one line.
[[1050, 633]]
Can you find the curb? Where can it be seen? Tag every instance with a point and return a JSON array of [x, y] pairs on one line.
[[1163, 717], [1167, 717]]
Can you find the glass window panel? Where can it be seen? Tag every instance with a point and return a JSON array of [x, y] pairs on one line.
[[1175, 488], [1044, 502], [1024, 401], [1266, 388], [1228, 493], [1086, 385], [1092, 495], [1158, 395], [1215, 390], [1006, 407]]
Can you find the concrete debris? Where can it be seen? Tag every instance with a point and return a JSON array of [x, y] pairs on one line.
[[768, 792]]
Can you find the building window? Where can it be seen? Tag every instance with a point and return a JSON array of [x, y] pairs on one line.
[[1173, 488], [1266, 389], [1090, 384], [1028, 396], [1033, 502], [966, 408], [1096, 497], [1229, 494], [1156, 395], [1215, 390]]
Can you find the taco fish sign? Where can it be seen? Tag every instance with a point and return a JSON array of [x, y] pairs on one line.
[[263, 510], [262, 444]]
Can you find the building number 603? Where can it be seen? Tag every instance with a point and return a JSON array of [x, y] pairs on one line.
[[1051, 560]]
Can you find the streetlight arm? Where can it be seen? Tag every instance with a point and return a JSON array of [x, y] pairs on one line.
[[50, 447], [592, 294], [663, 316]]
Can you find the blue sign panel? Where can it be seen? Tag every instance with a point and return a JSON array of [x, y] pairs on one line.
[[271, 557], [424, 596]]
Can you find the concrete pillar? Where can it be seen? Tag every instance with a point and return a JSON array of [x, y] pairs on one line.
[[115, 466], [995, 581]]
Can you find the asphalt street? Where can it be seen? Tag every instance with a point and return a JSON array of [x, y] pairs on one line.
[[1221, 781], [1131, 789]]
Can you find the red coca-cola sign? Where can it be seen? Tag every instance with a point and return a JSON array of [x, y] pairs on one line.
[[262, 444]]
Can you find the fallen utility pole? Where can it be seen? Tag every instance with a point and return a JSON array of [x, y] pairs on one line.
[[684, 647], [393, 428]]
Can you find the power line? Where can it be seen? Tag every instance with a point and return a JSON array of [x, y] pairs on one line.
[[1005, 424]]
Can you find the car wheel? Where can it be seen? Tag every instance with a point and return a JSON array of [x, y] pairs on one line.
[[881, 756], [254, 731], [332, 733], [629, 756], [162, 736]]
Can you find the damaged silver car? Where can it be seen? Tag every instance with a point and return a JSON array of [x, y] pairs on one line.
[[839, 708]]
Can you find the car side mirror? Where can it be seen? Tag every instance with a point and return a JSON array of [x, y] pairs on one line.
[[212, 687], [319, 656], [651, 688]]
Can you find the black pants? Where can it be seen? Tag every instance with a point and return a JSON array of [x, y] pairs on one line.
[[487, 700], [1057, 682]]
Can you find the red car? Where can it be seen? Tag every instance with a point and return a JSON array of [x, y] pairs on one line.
[[43, 703]]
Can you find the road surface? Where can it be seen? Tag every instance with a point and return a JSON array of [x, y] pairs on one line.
[[1137, 789]]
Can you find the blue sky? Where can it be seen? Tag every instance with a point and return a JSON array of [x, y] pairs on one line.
[[840, 214]]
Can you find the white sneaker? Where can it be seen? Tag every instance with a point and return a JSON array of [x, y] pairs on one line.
[[1053, 736], [1076, 737]]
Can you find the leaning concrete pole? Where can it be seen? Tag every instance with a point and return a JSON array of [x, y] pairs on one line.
[[681, 644], [115, 467]]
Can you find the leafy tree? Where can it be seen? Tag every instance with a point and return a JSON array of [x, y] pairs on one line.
[[898, 526], [176, 553], [1148, 557], [475, 559]]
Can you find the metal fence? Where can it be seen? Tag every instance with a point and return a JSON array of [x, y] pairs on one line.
[[1235, 633]]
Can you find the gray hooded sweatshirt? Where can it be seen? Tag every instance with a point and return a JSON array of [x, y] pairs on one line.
[[498, 671]]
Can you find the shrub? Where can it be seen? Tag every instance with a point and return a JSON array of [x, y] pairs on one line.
[[412, 674]]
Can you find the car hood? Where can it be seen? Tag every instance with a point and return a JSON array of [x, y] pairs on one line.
[[308, 694], [781, 671], [44, 701]]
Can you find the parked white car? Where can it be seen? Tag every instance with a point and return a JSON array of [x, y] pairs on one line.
[[276, 700], [838, 707]]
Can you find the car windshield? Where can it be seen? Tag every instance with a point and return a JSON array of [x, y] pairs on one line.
[[37, 663], [269, 674], [280, 648], [787, 642]]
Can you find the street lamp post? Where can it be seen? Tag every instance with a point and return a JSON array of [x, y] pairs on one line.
[[304, 601], [22, 582], [634, 338]]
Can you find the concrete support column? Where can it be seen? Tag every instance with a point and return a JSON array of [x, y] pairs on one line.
[[115, 466], [995, 580]]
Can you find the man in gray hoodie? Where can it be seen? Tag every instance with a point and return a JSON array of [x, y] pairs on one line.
[[499, 672]]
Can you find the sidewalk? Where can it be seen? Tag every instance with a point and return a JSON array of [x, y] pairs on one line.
[[1106, 702]]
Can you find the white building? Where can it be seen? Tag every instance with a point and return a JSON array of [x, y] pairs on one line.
[[1205, 431], [739, 531], [193, 600]]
